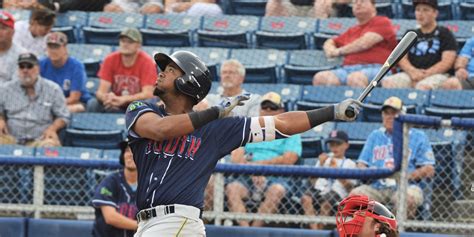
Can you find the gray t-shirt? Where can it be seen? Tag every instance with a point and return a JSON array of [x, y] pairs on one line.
[[250, 109], [8, 62]]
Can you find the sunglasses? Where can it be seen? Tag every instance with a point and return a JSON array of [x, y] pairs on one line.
[[25, 65], [269, 106]]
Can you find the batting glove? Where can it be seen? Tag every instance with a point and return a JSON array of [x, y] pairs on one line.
[[340, 109], [228, 104]]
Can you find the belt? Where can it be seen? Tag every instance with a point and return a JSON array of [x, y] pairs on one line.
[[188, 211]]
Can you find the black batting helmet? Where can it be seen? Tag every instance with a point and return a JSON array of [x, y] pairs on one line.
[[123, 146], [196, 81]]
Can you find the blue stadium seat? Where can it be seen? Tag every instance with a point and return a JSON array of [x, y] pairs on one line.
[[69, 23], [401, 26], [21, 177], [449, 104], [248, 7], [16, 151], [108, 139], [284, 32], [111, 154], [261, 66], [303, 64], [413, 100], [105, 27], [92, 85], [69, 152], [358, 133], [13, 226], [289, 93], [313, 139], [314, 97], [444, 9], [90, 55], [331, 27], [462, 30], [152, 50], [211, 56], [467, 10], [69, 31], [170, 30], [20, 14], [52, 227], [227, 31]]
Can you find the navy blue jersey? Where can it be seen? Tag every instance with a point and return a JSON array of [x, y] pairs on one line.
[[176, 171], [113, 191]]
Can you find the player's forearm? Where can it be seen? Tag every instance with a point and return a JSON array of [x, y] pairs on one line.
[[295, 122]]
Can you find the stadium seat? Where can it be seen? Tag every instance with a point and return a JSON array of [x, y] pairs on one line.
[[289, 93], [284, 32], [111, 154], [358, 133], [69, 152], [444, 9], [467, 11], [330, 27], [53, 227], [69, 31], [90, 55], [16, 151], [313, 140], [303, 64], [21, 177], [211, 56], [247, 7], [462, 30], [108, 139], [320, 38], [105, 27], [401, 26], [314, 97], [170, 30], [227, 31], [69, 23], [413, 100], [152, 50], [13, 226], [261, 65], [92, 85], [20, 14], [449, 104]]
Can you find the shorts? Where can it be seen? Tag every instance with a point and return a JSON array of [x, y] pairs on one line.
[[403, 80], [388, 195], [319, 198], [246, 181], [369, 70], [467, 84]]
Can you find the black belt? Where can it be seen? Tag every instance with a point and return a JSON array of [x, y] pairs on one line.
[[147, 214]]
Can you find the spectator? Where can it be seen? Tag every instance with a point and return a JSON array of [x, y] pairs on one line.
[[114, 200], [365, 48], [464, 69], [427, 64], [193, 7], [32, 35], [136, 6], [9, 50], [232, 78], [277, 152], [126, 75], [327, 192], [306, 8], [378, 153], [32, 109], [66, 71]]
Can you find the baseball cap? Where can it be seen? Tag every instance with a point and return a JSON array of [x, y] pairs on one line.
[[273, 98], [431, 3], [393, 102], [337, 136], [132, 33], [27, 58], [7, 19], [58, 38]]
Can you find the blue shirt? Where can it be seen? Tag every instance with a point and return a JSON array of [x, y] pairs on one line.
[[269, 150], [468, 52], [176, 171], [113, 191], [70, 77], [378, 153]]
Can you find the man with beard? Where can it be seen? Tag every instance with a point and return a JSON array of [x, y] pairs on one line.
[[114, 200], [32, 109], [9, 51], [126, 75]]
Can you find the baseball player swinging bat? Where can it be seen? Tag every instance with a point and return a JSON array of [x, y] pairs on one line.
[[402, 48]]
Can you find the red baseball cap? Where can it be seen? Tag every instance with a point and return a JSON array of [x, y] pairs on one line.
[[7, 19]]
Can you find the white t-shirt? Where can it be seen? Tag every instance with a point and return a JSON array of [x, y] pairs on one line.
[[8, 62], [23, 37], [325, 185]]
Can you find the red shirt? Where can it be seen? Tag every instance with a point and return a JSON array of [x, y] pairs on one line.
[[379, 52], [128, 80]]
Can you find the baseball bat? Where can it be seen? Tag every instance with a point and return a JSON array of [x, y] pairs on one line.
[[400, 50]]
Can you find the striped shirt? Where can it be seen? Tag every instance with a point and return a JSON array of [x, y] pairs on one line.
[[28, 118]]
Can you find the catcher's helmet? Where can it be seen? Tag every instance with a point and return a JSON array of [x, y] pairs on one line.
[[352, 211], [196, 81]]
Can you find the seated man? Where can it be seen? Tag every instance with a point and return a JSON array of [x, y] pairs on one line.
[[378, 153], [306, 8], [464, 69], [125, 75], [9, 50], [428, 62], [365, 48], [277, 152], [325, 193], [65, 71], [32, 109]]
